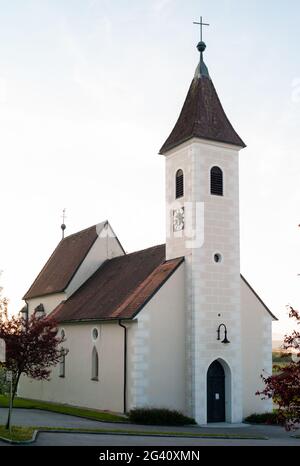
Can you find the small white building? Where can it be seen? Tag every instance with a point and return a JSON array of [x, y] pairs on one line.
[[176, 325]]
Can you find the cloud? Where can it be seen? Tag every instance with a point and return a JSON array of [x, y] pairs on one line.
[[102, 30], [85, 72], [92, 3], [3, 90], [160, 5]]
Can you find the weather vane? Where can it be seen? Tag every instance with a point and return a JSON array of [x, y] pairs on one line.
[[63, 225], [201, 24]]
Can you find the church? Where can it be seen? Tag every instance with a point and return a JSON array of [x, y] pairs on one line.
[[174, 326]]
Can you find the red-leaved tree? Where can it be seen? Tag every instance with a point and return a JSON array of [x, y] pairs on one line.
[[32, 347], [284, 385], [3, 304]]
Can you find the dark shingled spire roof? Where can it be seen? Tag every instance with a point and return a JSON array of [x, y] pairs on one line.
[[202, 115]]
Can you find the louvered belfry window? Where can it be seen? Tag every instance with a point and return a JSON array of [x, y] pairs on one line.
[[179, 184], [216, 181]]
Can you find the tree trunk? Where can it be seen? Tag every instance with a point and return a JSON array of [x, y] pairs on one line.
[[14, 391]]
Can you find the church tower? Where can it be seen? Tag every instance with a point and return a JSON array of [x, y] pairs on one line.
[[202, 217]]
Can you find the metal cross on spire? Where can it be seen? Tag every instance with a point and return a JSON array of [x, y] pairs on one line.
[[64, 215], [201, 24]]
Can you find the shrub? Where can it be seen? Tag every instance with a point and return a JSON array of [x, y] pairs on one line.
[[271, 418], [159, 417], [281, 357]]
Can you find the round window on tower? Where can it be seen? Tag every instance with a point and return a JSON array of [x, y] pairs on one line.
[[95, 334], [218, 258]]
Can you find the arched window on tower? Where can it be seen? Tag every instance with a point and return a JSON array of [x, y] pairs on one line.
[[95, 364], [216, 181], [179, 184]]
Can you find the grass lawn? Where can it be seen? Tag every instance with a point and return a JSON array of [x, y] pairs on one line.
[[62, 409], [17, 433]]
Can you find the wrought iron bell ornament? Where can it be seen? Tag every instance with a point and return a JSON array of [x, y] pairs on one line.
[[225, 341]]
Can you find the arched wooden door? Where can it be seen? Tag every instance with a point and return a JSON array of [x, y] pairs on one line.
[[215, 393]]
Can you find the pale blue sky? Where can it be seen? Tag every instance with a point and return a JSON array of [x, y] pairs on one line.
[[89, 90]]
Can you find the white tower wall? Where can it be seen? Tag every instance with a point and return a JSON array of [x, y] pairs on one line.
[[212, 289]]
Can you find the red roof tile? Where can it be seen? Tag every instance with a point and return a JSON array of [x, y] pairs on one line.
[[203, 117], [119, 288], [63, 263]]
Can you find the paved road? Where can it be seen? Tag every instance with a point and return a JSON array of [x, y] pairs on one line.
[[29, 417]]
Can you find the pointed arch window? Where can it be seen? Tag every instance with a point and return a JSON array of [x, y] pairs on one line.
[[179, 184], [216, 181], [62, 363], [95, 364]]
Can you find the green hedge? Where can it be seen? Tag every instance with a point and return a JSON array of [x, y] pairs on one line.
[[264, 418], [159, 417]]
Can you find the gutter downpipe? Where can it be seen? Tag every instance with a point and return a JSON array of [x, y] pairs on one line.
[[125, 366]]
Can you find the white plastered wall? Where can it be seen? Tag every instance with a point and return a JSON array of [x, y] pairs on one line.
[[156, 347], [49, 302], [257, 350], [77, 388], [156, 358], [213, 290], [105, 247]]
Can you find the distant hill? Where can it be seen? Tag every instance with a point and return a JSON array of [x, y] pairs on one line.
[[276, 344]]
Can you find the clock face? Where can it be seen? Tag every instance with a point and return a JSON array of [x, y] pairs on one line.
[[178, 219]]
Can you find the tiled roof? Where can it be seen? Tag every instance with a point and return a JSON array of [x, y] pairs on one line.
[[63, 263], [203, 117], [119, 288]]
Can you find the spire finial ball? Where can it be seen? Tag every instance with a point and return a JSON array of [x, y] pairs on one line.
[[201, 46], [63, 227]]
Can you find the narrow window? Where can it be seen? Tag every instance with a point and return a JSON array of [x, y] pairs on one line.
[[95, 334], [95, 364], [216, 181], [62, 363], [179, 184]]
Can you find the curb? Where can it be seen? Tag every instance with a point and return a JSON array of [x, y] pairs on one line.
[[129, 434]]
